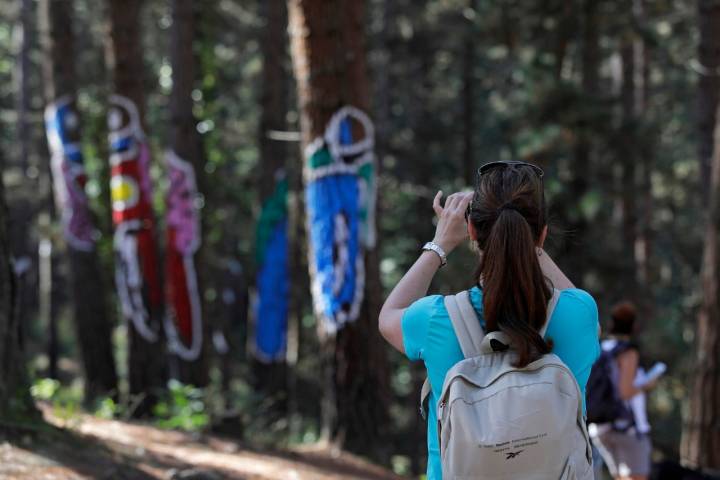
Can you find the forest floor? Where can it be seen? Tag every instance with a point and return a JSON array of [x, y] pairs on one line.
[[88, 447]]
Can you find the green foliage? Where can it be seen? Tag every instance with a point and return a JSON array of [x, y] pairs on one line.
[[66, 401], [183, 408], [44, 388], [107, 408]]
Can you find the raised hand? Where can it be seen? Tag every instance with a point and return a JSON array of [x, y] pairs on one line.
[[451, 228]]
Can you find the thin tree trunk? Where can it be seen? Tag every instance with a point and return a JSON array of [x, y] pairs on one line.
[[629, 156], [14, 394], [272, 376], [23, 209], [185, 145], [274, 96], [708, 85], [583, 151], [327, 47], [92, 322], [146, 352], [468, 96], [567, 27], [23, 83], [635, 154], [644, 245]]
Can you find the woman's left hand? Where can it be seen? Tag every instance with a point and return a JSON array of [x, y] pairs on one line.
[[451, 228]]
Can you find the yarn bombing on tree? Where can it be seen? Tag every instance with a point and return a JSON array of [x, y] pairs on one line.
[[272, 279], [183, 322], [62, 126], [340, 198], [136, 267]]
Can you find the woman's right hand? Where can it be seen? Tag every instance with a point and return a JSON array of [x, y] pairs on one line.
[[451, 228]]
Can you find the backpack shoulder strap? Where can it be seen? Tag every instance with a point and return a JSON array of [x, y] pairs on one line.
[[622, 346], [550, 309], [467, 330], [465, 322]]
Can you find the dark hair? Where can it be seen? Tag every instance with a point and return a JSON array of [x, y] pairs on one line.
[[508, 213], [623, 317]]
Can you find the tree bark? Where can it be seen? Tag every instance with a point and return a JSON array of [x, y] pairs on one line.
[[124, 53], [700, 446], [635, 152], [628, 152], [14, 394], [583, 150], [468, 97], [272, 377], [708, 85], [185, 142], [23, 83], [274, 96], [327, 48], [92, 322]]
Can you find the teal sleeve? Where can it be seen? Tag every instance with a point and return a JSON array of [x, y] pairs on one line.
[[415, 322], [575, 337]]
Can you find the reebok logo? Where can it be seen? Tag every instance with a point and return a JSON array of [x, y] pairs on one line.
[[513, 454]]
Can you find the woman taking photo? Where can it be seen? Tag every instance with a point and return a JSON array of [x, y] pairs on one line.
[[506, 220]]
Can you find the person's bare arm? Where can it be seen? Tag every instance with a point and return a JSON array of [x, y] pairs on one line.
[[451, 230], [628, 364]]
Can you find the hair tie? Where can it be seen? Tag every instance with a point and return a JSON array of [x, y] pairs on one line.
[[507, 206]]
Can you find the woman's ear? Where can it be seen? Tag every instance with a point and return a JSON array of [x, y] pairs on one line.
[[543, 236], [472, 232]]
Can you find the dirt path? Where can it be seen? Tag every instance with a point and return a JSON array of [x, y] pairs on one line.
[[93, 448]]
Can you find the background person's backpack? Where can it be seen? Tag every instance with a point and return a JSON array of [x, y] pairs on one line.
[[498, 421], [602, 400]]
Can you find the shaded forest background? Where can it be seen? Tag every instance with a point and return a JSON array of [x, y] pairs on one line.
[[614, 99]]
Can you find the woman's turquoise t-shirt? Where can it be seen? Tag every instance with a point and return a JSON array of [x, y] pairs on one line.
[[428, 335]]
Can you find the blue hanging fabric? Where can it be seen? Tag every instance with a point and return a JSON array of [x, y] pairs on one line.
[[340, 199], [273, 288]]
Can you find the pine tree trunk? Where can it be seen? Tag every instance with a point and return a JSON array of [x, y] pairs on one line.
[[635, 152], [92, 322], [186, 144], [700, 446], [629, 155], [272, 376], [14, 394], [468, 97], [274, 96], [327, 47], [708, 85], [23, 83], [146, 357], [22, 210]]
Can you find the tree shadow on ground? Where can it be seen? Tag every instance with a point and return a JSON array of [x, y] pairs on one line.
[[45, 447]]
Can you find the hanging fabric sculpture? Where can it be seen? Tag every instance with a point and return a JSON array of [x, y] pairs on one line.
[[340, 198], [184, 311], [68, 170], [273, 289], [136, 267]]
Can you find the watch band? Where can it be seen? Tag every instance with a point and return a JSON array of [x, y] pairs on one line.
[[434, 247]]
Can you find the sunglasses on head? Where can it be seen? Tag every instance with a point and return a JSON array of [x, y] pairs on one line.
[[501, 164], [508, 163]]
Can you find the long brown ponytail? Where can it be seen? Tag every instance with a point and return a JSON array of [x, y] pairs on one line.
[[508, 214]]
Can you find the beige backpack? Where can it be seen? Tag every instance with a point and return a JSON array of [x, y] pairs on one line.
[[496, 421]]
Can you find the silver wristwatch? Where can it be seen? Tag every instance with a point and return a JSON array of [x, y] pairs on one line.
[[437, 249]]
